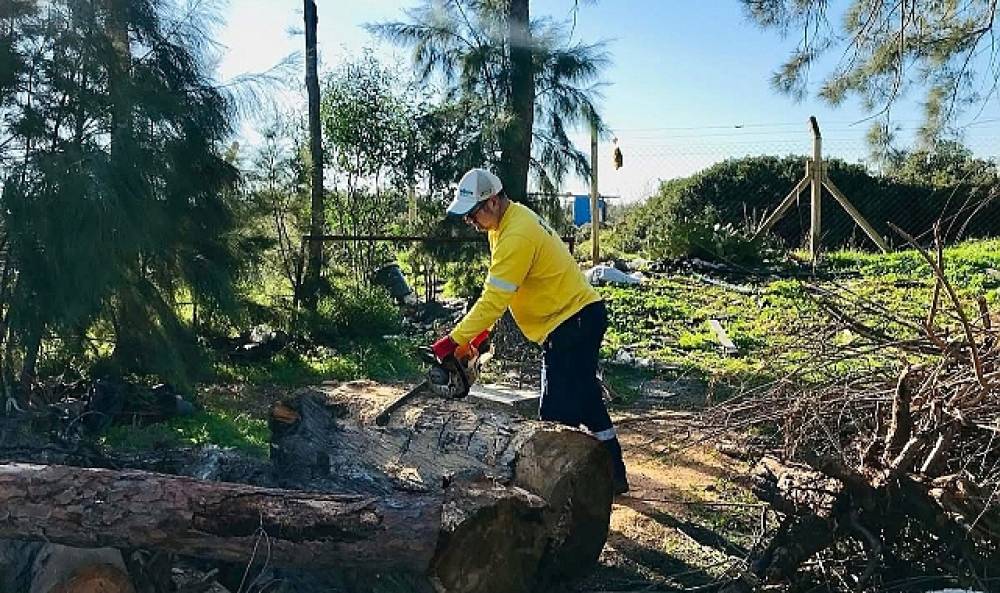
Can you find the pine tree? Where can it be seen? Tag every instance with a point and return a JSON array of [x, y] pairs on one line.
[[941, 49], [484, 53], [116, 198]]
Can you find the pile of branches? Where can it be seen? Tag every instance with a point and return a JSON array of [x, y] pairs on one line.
[[885, 474]]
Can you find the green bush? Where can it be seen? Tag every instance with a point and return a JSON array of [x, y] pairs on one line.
[[739, 193], [353, 313], [465, 279]]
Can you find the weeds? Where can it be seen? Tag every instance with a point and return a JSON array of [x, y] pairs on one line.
[[665, 320], [220, 427]]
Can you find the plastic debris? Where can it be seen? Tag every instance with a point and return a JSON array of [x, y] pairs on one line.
[[603, 274]]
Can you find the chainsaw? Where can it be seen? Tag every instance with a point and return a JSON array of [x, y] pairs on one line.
[[450, 378]]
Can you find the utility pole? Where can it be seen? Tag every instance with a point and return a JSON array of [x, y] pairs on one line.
[[595, 222]]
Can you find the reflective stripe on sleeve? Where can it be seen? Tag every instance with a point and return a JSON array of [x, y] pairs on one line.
[[502, 284], [606, 435]]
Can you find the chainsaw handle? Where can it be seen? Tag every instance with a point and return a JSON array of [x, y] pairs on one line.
[[480, 344]]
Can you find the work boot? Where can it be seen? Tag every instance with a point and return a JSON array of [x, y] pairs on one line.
[[619, 480]]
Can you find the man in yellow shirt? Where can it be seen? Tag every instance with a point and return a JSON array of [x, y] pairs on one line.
[[534, 275]]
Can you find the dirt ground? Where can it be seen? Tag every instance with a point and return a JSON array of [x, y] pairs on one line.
[[687, 521]]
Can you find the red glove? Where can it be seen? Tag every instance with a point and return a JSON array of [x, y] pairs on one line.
[[478, 340], [444, 347]]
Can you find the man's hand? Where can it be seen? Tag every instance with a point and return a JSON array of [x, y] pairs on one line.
[[444, 347]]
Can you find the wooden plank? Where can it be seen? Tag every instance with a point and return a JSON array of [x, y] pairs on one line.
[[523, 401], [728, 346]]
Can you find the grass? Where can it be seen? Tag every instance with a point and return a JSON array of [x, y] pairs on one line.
[[369, 359], [666, 319], [237, 418], [216, 426]]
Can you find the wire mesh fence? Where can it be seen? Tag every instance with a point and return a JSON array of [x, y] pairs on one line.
[[954, 182]]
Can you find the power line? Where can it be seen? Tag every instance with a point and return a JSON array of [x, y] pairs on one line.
[[843, 125]]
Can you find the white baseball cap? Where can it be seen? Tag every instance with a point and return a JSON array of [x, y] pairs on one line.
[[476, 185]]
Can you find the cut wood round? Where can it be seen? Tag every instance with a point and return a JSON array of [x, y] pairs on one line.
[[571, 474], [488, 544], [61, 569], [326, 437]]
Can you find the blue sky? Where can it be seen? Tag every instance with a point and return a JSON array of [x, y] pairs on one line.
[[684, 74]]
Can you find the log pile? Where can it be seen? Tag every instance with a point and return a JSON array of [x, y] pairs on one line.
[[891, 471], [449, 497]]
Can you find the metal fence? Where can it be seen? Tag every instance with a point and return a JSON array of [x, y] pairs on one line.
[[654, 155]]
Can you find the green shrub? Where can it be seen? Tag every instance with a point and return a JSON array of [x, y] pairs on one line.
[[741, 192], [465, 279], [353, 313]]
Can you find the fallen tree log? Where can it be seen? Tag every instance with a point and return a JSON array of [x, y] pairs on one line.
[[825, 502], [93, 508], [327, 437], [459, 497], [793, 489]]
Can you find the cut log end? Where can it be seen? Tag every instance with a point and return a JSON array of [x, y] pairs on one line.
[[96, 578], [571, 471], [491, 541]]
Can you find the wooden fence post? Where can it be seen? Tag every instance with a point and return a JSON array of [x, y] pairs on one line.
[[816, 178], [816, 203]]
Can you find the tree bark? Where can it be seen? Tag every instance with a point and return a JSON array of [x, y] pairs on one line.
[[94, 508], [32, 344], [310, 287], [515, 150]]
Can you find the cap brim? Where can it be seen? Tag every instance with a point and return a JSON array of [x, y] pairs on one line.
[[461, 206]]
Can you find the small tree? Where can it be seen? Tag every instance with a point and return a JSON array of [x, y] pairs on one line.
[[280, 200], [369, 125]]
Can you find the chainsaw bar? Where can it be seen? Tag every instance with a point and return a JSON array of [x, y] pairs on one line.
[[383, 417]]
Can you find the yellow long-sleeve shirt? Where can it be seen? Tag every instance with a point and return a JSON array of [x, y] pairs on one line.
[[533, 273]]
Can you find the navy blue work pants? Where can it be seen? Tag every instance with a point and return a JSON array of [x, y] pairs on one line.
[[571, 391]]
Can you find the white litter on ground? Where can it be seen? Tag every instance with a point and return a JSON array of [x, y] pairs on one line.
[[608, 275]]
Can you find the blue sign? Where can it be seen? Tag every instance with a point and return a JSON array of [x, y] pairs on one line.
[[581, 210]]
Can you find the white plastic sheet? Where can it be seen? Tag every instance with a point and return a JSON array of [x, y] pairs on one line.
[[608, 275]]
